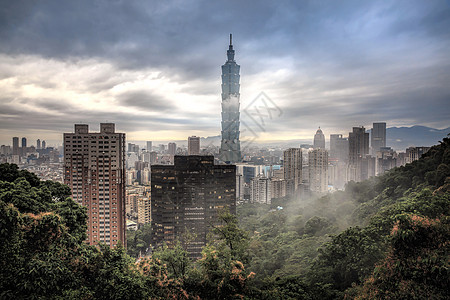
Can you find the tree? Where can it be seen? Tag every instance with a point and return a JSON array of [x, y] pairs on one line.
[[417, 264]]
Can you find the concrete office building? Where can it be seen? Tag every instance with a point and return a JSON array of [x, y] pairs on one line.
[[15, 146], [194, 145], [378, 137]]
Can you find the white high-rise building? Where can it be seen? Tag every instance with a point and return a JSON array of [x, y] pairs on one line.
[[318, 170], [319, 139], [260, 190], [292, 166]]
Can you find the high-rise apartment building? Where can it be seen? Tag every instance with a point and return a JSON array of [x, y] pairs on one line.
[[144, 210], [292, 166], [172, 148], [94, 169], [230, 148], [260, 190], [186, 197], [38, 144], [194, 145], [44, 145], [319, 139], [318, 170], [378, 137]]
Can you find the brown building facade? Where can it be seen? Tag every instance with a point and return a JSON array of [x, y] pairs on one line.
[[94, 168]]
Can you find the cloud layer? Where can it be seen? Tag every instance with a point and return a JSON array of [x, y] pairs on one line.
[[153, 67]]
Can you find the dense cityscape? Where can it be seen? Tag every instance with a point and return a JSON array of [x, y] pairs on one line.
[[134, 183], [334, 183]]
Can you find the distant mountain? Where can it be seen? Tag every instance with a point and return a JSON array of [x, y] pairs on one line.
[[400, 138]]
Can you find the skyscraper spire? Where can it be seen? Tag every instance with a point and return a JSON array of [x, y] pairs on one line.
[[230, 52], [230, 149]]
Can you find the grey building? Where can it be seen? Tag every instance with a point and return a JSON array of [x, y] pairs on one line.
[[15, 148], [378, 137], [172, 148], [318, 170], [230, 148], [292, 166], [193, 145], [358, 141], [338, 148]]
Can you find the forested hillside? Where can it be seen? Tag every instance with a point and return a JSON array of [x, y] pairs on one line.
[[337, 244], [387, 237]]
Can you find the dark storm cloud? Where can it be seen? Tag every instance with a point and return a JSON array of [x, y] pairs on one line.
[[350, 62], [145, 100]]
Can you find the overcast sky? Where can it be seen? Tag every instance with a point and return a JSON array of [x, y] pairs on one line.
[[153, 67]]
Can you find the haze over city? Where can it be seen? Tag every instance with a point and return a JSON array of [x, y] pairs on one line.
[[153, 68]]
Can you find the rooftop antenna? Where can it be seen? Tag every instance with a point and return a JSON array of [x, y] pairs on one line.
[[231, 39]]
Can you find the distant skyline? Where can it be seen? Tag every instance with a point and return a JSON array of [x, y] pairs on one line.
[[153, 68]]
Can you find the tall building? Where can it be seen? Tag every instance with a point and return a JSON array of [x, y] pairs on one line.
[[260, 190], [230, 148], [194, 145], [292, 166], [149, 146], [358, 142], [172, 148], [133, 148], [318, 170], [361, 165], [144, 210], [378, 137], [319, 139], [186, 197], [338, 147], [337, 159], [23, 149], [278, 187], [94, 165], [38, 144], [15, 145], [44, 145]]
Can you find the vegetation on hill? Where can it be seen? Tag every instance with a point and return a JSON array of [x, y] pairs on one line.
[[387, 237]]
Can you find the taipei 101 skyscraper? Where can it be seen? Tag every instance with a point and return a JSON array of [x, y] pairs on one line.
[[230, 149]]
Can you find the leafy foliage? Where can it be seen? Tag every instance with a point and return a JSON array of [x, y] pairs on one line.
[[387, 237]]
